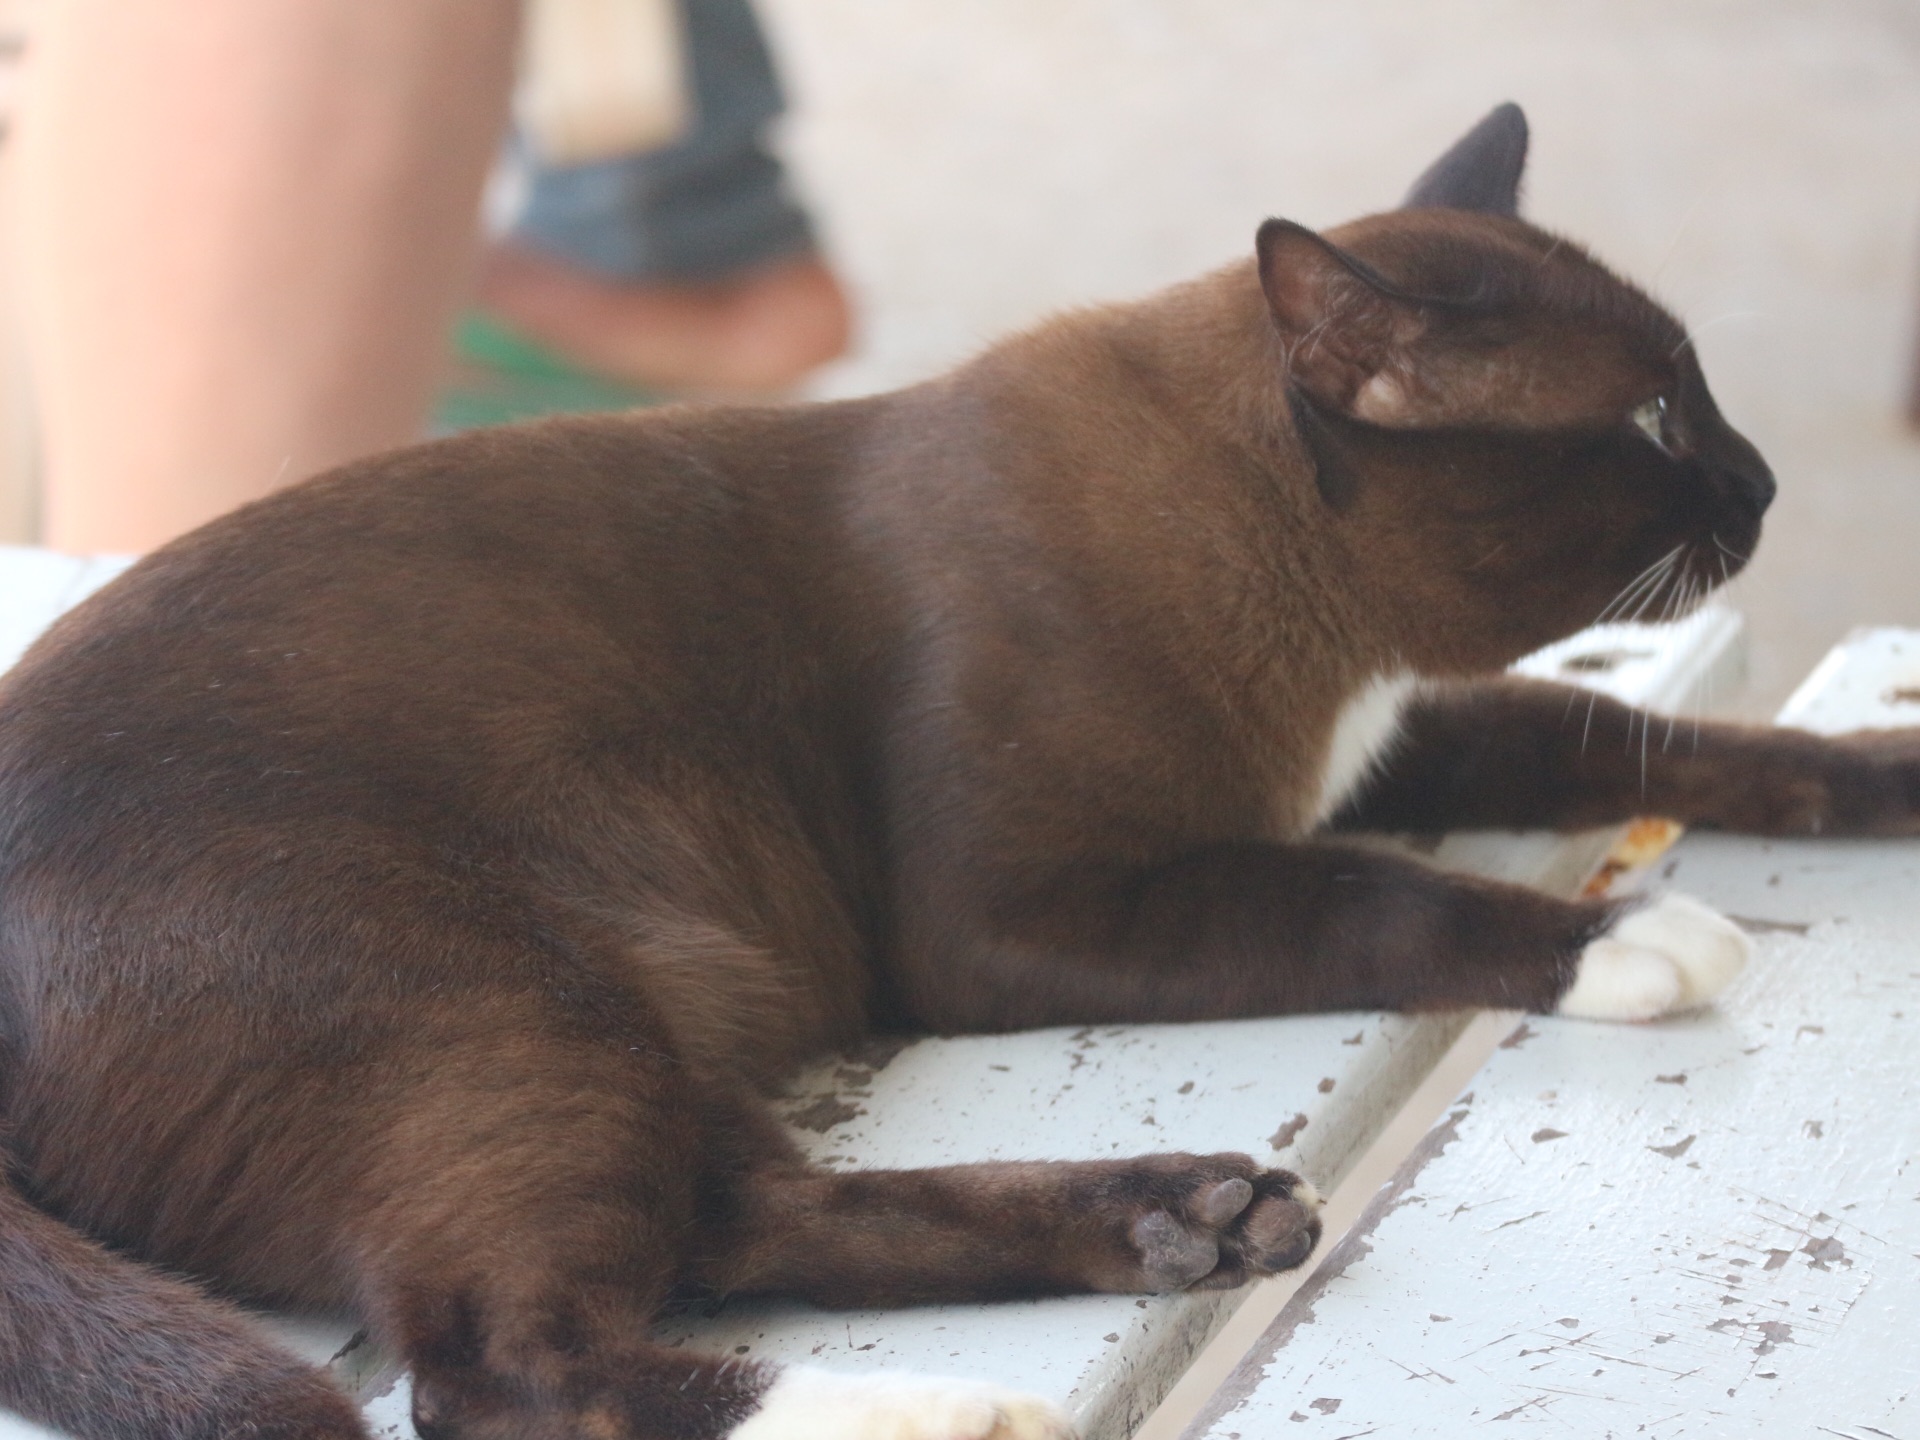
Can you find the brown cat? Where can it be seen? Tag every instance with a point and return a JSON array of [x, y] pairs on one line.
[[408, 883]]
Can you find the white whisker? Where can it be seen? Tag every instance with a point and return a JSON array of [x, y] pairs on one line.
[[1651, 576], [1721, 546], [1651, 596], [1679, 231], [1631, 588], [1694, 334], [1646, 724], [1674, 719]]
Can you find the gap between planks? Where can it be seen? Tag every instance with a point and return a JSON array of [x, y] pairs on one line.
[[1209, 1370]]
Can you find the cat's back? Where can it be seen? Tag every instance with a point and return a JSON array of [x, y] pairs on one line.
[[557, 557], [605, 518], [445, 651]]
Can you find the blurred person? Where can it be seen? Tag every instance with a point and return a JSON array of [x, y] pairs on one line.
[[246, 228], [689, 267]]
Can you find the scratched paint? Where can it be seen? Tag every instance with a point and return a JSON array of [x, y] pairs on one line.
[[1704, 1227]]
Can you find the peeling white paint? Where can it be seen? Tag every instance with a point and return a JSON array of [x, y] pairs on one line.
[[1722, 1237]]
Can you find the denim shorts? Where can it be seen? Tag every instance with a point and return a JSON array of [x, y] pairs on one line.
[[710, 204]]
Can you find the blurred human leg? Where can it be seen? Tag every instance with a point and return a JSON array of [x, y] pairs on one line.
[[246, 225], [760, 331], [687, 267]]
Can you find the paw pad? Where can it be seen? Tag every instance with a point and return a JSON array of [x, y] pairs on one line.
[[1173, 1255], [1228, 1231]]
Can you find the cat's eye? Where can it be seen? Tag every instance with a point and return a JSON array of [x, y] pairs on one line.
[[1651, 420]]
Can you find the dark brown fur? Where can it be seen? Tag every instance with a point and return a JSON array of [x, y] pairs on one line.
[[409, 883]]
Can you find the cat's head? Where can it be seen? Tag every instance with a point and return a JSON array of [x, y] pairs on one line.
[[1513, 442]]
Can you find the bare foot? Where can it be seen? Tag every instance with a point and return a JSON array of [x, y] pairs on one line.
[[758, 332]]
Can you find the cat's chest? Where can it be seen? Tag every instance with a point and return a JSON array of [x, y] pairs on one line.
[[1363, 734]]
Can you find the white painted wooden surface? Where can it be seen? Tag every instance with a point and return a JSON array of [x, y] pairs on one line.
[[1315, 1090], [1708, 1226], [37, 585]]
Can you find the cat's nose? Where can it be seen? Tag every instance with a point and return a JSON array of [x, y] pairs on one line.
[[1756, 487], [1747, 475]]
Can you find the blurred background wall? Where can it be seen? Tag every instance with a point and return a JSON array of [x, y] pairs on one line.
[[19, 447], [1755, 163]]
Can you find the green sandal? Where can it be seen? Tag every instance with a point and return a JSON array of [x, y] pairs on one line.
[[500, 376]]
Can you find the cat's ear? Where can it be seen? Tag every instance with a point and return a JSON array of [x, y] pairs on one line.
[[1347, 334], [1482, 170]]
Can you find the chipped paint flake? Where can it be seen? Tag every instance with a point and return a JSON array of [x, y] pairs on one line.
[[1285, 1135]]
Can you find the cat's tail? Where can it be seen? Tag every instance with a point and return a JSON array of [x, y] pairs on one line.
[[109, 1349]]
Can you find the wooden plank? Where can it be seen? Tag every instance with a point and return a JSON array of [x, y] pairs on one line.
[[1312, 1091], [1707, 1226], [1869, 682]]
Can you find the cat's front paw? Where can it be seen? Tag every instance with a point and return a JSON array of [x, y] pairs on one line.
[[1674, 954], [806, 1403]]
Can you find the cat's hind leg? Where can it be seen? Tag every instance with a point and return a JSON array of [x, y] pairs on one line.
[[1154, 1223], [537, 1194], [530, 1191]]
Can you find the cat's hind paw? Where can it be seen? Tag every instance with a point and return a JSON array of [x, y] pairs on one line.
[[1674, 954], [1228, 1230], [807, 1403]]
